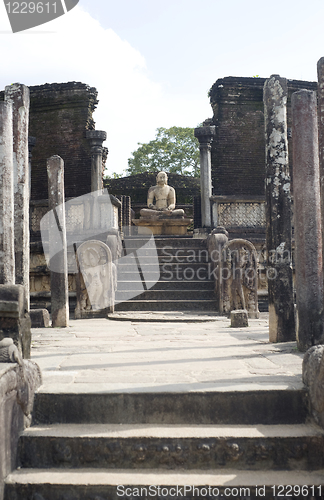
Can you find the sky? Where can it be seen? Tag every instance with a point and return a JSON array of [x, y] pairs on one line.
[[153, 61]]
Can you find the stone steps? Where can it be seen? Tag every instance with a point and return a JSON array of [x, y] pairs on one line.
[[115, 446], [171, 295], [170, 285], [89, 484], [245, 407], [167, 305], [185, 281], [85, 444]]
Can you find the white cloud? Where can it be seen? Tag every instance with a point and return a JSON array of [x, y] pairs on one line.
[[75, 47]]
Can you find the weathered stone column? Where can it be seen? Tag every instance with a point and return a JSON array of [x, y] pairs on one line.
[[320, 104], [308, 227], [96, 138], [7, 249], [18, 96], [205, 136], [278, 212], [59, 277], [31, 145]]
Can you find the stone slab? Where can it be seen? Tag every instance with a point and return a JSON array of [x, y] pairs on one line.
[[164, 316], [166, 446], [164, 356]]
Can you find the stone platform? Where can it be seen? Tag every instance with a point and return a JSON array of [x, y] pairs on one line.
[[120, 355]]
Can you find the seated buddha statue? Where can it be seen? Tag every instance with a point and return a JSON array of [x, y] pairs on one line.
[[165, 200]]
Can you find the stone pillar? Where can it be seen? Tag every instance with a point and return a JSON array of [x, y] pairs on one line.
[[59, 280], [31, 145], [308, 226], [205, 136], [18, 96], [126, 209], [96, 138], [320, 104], [278, 212], [7, 250]]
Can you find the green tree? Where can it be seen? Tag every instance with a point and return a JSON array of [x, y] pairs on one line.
[[174, 150]]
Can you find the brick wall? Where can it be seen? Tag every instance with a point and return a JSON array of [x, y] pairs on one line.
[[238, 150], [60, 114]]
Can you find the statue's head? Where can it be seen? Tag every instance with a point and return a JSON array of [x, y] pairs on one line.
[[162, 178]]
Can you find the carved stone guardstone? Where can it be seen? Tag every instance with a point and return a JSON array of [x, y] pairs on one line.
[[18, 384], [313, 378], [97, 280], [239, 278], [14, 317]]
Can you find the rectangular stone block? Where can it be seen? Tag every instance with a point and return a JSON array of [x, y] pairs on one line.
[[39, 318]]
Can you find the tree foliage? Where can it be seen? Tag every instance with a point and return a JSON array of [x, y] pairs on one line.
[[174, 150]]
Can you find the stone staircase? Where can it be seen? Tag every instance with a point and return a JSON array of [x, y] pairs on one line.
[[185, 281], [234, 444]]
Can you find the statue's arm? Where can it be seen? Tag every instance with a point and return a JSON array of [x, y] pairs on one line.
[[150, 198], [171, 199]]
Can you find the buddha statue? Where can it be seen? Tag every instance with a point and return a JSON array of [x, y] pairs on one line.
[[165, 200]]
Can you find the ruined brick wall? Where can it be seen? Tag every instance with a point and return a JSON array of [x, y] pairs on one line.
[[60, 114], [238, 150]]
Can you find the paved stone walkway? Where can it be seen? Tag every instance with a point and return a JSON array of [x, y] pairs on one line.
[[181, 355]]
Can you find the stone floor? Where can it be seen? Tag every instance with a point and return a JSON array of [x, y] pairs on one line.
[[175, 352]]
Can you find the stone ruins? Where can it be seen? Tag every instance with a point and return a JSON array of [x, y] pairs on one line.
[[253, 239]]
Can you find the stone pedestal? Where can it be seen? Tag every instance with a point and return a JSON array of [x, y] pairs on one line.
[[205, 136], [167, 226]]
